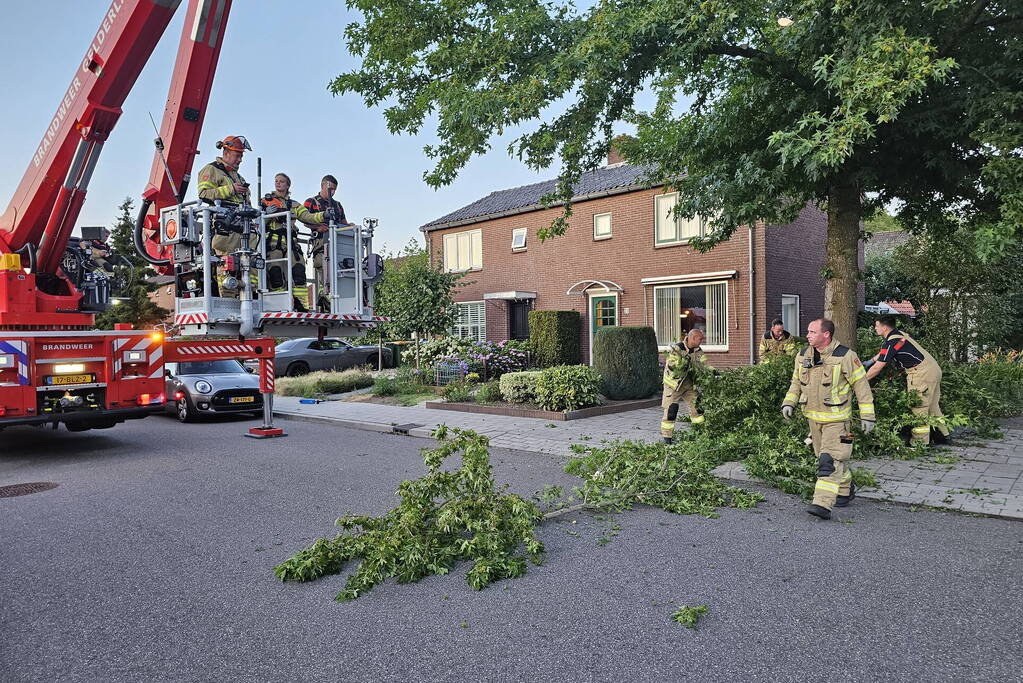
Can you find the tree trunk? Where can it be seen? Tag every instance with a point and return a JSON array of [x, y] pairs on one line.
[[841, 262]]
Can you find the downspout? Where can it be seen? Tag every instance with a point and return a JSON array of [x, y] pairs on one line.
[[752, 309]]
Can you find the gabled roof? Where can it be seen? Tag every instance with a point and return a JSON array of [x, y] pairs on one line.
[[602, 182]]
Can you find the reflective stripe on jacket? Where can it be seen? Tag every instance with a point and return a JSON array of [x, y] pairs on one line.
[[216, 181], [682, 364], [823, 388]]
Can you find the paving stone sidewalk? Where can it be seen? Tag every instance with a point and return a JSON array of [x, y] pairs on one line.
[[986, 478]]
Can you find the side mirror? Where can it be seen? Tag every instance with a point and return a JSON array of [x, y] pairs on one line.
[[167, 372], [248, 369]]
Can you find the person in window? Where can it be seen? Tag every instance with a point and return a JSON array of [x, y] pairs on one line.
[[777, 342], [923, 375], [684, 362]]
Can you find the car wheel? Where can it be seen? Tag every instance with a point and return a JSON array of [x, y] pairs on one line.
[[298, 369], [373, 361], [185, 412]]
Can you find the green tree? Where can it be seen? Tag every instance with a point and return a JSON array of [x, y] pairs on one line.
[[967, 304], [129, 284], [762, 107], [416, 295], [885, 279]]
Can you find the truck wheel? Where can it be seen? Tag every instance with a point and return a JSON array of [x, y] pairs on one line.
[[184, 411], [298, 369]]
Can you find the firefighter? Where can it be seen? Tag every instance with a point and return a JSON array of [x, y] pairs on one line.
[[325, 202], [221, 180], [777, 342], [923, 375], [99, 252], [684, 362], [277, 239], [826, 374]]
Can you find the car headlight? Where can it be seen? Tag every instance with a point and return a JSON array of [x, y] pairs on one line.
[[203, 387]]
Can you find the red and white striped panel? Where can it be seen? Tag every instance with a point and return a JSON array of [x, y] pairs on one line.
[[154, 354], [191, 318], [266, 375], [203, 349]]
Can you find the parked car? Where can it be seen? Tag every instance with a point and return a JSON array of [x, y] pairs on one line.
[[295, 357], [211, 388]]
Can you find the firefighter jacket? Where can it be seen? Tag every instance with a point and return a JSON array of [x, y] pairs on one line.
[[275, 203], [682, 366], [216, 181], [902, 352], [318, 204], [823, 381], [770, 346]]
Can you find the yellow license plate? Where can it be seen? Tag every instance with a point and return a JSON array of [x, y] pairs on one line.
[[70, 379], [243, 399]]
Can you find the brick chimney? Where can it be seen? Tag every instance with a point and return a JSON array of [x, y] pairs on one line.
[[614, 156]]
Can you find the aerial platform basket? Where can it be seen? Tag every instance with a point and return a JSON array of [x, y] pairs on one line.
[[271, 306]]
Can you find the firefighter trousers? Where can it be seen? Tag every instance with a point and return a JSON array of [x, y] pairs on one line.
[[669, 407], [832, 444], [925, 379]]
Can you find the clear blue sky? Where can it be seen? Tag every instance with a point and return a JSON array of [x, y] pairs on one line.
[[271, 87]]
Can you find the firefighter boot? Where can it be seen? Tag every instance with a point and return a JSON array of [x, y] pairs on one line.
[[843, 501], [819, 511]]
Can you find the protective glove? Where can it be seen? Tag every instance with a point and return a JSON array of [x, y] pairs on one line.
[[786, 412], [868, 363], [867, 426]]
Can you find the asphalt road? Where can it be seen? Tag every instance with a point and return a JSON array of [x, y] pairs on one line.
[[152, 559]]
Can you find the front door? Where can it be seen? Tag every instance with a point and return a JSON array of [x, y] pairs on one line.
[[603, 313], [518, 319]]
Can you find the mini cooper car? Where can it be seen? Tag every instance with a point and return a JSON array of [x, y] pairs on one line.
[[215, 387]]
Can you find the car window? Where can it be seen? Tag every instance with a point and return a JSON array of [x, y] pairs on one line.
[[291, 344], [210, 367]]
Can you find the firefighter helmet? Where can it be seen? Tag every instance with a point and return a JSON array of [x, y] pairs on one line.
[[235, 143]]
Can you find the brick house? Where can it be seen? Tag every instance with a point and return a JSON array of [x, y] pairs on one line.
[[625, 260]]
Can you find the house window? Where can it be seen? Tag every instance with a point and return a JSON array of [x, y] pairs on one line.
[[471, 322], [790, 312], [519, 239], [670, 228], [463, 251], [601, 226], [680, 308]]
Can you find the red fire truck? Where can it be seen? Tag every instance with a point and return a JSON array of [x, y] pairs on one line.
[[54, 368]]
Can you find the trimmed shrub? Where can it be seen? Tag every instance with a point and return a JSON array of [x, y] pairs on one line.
[[488, 393], [519, 387], [626, 358], [456, 392], [554, 337], [568, 387], [321, 383]]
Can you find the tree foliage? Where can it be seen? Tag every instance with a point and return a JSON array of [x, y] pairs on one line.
[[910, 101], [966, 303], [416, 295], [444, 517], [133, 304]]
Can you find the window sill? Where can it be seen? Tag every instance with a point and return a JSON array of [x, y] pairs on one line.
[[517, 251], [601, 238], [665, 245]]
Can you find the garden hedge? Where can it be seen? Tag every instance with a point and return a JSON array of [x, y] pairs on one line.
[[554, 337], [626, 358]]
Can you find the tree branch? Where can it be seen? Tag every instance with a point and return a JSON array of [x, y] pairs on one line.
[[784, 68], [967, 23]]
